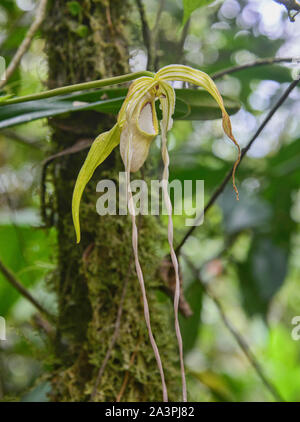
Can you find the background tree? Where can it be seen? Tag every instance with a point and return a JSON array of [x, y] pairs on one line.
[[94, 279]]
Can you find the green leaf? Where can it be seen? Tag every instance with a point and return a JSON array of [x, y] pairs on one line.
[[191, 104], [262, 274], [190, 326], [14, 114], [251, 212], [202, 105], [99, 151], [27, 253], [189, 6], [216, 383]]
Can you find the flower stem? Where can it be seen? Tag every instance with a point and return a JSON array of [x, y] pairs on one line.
[[79, 87]]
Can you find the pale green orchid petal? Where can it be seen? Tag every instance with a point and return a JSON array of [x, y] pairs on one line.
[[196, 77], [139, 123], [167, 100], [138, 133], [99, 151], [188, 74], [137, 90]]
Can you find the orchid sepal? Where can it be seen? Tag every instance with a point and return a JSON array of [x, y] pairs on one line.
[[99, 151]]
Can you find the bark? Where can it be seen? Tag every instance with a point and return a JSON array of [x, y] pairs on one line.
[[90, 276]]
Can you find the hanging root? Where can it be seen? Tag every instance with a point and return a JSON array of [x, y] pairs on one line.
[[139, 270], [165, 157]]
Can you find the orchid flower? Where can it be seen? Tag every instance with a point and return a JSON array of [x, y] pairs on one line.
[[136, 127]]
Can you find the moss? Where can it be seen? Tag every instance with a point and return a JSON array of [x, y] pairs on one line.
[[90, 276], [87, 327]]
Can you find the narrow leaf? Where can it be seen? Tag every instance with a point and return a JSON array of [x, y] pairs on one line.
[[190, 105], [99, 151]]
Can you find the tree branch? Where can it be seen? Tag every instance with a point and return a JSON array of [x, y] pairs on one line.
[[160, 9], [80, 145], [155, 45], [184, 33], [40, 15], [11, 134], [167, 275], [221, 187], [150, 35], [21, 289], [261, 62], [146, 32], [237, 335], [290, 6], [125, 381]]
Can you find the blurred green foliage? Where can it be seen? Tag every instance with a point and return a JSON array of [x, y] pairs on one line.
[[189, 6]]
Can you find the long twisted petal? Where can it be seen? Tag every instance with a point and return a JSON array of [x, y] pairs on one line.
[[196, 77]]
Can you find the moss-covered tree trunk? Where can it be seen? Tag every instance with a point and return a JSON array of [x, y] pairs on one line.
[[87, 44]]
